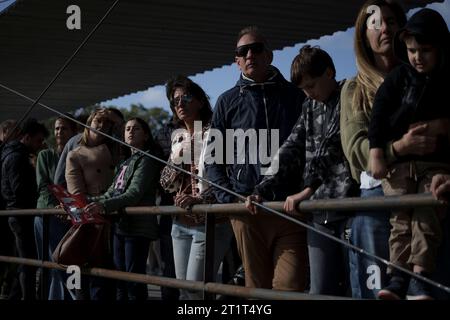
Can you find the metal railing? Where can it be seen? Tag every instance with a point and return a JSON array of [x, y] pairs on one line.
[[208, 286]]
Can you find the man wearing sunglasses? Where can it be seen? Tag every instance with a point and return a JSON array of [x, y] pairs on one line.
[[273, 250]]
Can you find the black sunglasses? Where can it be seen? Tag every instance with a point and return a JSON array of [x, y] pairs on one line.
[[184, 99], [256, 47]]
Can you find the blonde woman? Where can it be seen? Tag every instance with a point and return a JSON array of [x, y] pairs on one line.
[[90, 166], [375, 59], [90, 170]]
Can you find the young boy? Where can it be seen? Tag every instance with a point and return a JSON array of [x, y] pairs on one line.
[[413, 95], [312, 161]]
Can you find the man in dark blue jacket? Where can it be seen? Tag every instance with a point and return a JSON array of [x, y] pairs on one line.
[[273, 250]]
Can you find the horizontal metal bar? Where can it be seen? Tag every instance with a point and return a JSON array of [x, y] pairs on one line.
[[218, 288], [32, 212], [230, 209], [372, 203], [32, 262]]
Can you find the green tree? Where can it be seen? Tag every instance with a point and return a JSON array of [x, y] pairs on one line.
[[156, 117]]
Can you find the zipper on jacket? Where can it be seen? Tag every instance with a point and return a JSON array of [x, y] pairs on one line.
[[267, 120], [238, 174]]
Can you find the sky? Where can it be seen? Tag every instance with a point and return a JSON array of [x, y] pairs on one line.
[[339, 46], [5, 3]]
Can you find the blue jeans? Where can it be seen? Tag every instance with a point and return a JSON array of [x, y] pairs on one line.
[[370, 231], [56, 231], [328, 260], [130, 255], [166, 249], [189, 252]]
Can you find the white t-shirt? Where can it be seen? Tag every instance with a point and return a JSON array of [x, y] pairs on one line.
[[368, 182]]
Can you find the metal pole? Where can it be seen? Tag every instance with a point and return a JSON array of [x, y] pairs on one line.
[[210, 228], [373, 203], [230, 209], [252, 293], [45, 257]]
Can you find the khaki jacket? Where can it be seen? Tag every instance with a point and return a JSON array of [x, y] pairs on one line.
[[89, 170], [354, 133]]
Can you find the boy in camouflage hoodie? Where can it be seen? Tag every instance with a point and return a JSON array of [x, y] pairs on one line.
[[312, 161]]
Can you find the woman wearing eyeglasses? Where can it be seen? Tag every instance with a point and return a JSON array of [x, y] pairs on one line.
[[192, 111]]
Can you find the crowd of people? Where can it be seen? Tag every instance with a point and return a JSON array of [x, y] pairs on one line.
[[386, 131]]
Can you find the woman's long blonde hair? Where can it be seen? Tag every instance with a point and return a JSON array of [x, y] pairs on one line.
[[99, 111], [369, 78]]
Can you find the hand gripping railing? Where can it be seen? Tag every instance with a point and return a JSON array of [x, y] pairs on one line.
[[208, 286], [328, 205]]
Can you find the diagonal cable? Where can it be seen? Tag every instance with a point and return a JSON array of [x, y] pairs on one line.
[[60, 71], [123, 143], [262, 206]]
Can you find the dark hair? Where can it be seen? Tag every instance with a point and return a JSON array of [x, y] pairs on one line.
[[31, 127], [311, 61], [420, 38], [443, 48], [83, 117], [117, 112], [192, 88], [151, 145], [69, 119], [426, 27]]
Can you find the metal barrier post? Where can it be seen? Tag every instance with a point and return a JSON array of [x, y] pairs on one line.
[[45, 257], [208, 286], [209, 276]]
